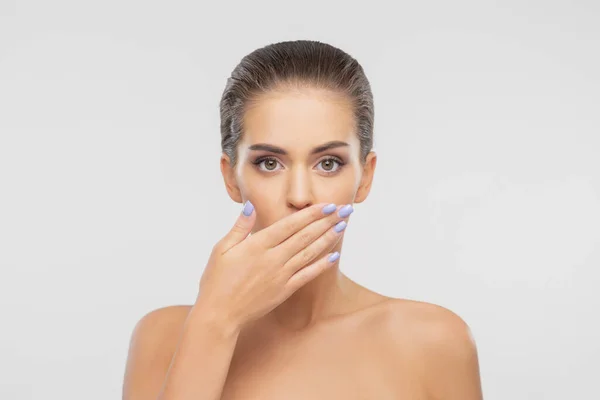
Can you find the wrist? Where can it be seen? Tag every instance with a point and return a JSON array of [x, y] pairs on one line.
[[214, 319]]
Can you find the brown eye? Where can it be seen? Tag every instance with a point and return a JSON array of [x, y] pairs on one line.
[[270, 164], [267, 164], [330, 165], [327, 164]]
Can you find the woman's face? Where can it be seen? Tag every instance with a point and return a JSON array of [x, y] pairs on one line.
[[299, 147]]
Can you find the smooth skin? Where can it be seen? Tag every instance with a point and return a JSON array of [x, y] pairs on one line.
[[273, 318]]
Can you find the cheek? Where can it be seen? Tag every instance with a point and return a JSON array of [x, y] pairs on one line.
[[338, 189], [259, 189], [342, 187]]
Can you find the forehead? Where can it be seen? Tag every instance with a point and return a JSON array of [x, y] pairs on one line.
[[299, 119]]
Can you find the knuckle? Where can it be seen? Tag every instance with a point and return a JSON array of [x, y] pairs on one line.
[[238, 228], [289, 226], [305, 257], [305, 238]]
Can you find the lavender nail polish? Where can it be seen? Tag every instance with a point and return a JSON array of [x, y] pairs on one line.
[[334, 257], [345, 211], [329, 208], [340, 226], [248, 208]]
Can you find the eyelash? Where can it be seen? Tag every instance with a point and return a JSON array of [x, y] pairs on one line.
[[339, 161]]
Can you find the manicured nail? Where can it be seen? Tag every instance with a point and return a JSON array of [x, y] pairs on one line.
[[329, 208], [248, 208], [340, 226], [334, 257], [345, 211]]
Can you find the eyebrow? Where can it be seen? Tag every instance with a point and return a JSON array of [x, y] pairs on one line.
[[316, 150]]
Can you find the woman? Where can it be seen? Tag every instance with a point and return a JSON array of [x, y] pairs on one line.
[[274, 317]]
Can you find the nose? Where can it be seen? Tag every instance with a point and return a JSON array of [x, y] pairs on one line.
[[299, 193]]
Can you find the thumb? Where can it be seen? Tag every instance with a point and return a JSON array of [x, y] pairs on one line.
[[241, 229]]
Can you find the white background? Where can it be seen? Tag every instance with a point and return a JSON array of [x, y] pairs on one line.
[[486, 198]]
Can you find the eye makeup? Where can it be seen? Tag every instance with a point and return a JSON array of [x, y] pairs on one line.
[[339, 163]]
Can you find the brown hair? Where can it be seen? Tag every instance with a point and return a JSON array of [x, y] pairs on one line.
[[305, 62]]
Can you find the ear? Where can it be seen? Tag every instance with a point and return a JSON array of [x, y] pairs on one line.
[[229, 178], [367, 178]]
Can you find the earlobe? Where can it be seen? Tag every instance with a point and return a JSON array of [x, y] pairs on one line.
[[367, 178], [231, 185]]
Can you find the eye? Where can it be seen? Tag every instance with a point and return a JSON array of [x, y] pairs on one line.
[[330, 164], [268, 164]]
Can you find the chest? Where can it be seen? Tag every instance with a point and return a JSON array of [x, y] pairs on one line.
[[337, 366]]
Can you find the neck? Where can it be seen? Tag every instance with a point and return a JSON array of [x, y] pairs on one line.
[[324, 296]]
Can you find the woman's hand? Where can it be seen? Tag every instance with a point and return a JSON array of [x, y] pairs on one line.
[[247, 277]]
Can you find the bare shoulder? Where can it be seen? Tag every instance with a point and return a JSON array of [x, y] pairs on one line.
[[162, 318], [441, 343], [153, 342], [430, 322]]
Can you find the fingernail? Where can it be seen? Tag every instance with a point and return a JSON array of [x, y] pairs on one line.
[[340, 226], [248, 208], [345, 211], [329, 208], [334, 257]]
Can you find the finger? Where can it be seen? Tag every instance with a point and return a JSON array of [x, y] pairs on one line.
[[321, 245], [310, 272], [241, 229], [302, 239], [279, 231]]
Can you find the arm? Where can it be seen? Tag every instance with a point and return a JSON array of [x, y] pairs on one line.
[[245, 277], [178, 356]]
